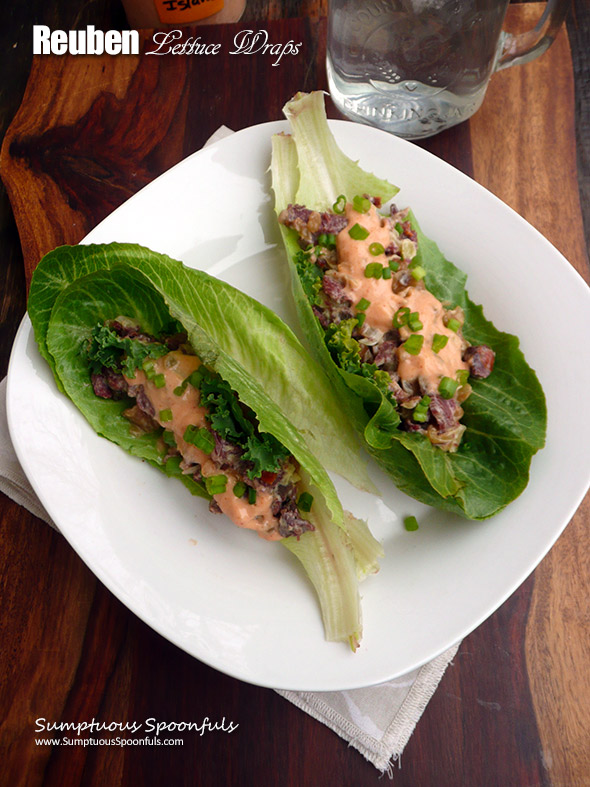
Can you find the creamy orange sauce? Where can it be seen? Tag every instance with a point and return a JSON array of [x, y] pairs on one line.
[[353, 257], [187, 410]]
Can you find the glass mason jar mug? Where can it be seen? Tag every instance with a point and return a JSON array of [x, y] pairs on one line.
[[416, 67]]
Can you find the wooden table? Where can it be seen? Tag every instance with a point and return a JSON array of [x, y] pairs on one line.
[[514, 708]]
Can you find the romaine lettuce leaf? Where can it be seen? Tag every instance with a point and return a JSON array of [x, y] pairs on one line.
[[76, 289], [238, 329], [505, 416]]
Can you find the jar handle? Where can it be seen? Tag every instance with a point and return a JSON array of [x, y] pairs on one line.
[[517, 49]]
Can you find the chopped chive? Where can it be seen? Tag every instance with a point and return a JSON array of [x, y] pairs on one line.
[[165, 415], [447, 387], [251, 495], [239, 489], [376, 249], [169, 438], [322, 240], [374, 270], [401, 317], [199, 437], [305, 502], [462, 376], [411, 523], [216, 484], [357, 232], [394, 265], [439, 341], [387, 273], [331, 238], [414, 322], [418, 273], [420, 414], [361, 204], [453, 324], [360, 318], [340, 204], [195, 378], [149, 368], [159, 380], [413, 344], [363, 305]]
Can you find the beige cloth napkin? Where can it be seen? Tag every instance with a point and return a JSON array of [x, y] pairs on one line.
[[378, 721]]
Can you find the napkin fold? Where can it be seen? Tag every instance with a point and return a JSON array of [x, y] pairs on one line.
[[377, 721]]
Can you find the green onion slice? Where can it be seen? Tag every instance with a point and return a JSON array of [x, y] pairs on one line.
[[411, 523], [159, 380], [216, 484], [363, 305], [394, 265], [453, 324], [401, 317], [462, 376], [361, 204], [447, 387], [413, 344], [340, 205], [374, 270], [251, 495], [357, 232], [305, 502], [360, 318], [200, 437], [418, 273], [387, 274], [414, 322], [239, 489], [165, 415], [439, 340], [376, 249]]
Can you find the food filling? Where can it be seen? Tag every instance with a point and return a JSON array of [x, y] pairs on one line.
[[204, 429], [361, 273]]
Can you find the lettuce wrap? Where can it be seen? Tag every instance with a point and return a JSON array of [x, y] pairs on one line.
[[504, 416], [111, 312]]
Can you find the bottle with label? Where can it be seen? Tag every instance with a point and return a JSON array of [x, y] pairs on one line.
[[175, 13]]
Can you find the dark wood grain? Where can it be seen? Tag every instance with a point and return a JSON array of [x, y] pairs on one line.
[[503, 712]]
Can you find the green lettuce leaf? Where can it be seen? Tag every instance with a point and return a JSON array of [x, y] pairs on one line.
[[506, 414], [76, 289]]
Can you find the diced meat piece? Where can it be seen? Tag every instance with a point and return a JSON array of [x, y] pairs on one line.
[[174, 342], [375, 200], [290, 521], [391, 249], [333, 286], [322, 317], [408, 425], [140, 419], [409, 232], [444, 412], [116, 381], [130, 331], [310, 223], [386, 355], [480, 360], [144, 403], [226, 454], [214, 507], [100, 386]]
